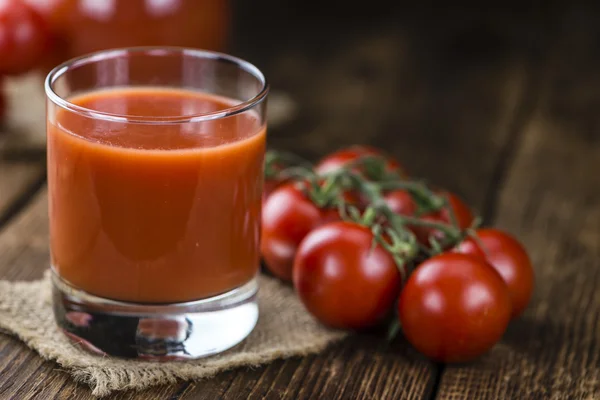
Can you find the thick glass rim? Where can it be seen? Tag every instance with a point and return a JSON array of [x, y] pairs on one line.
[[238, 108]]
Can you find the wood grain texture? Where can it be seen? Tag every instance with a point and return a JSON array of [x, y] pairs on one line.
[[17, 182], [550, 198]]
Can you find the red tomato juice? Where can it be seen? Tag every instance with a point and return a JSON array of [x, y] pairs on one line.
[[154, 212]]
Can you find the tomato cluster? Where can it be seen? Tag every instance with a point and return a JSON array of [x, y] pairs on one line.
[[363, 244]]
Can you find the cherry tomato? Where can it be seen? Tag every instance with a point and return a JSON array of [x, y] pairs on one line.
[[509, 258], [342, 157], [342, 280], [268, 188], [24, 37], [454, 307], [273, 178], [400, 202], [287, 217], [464, 219]]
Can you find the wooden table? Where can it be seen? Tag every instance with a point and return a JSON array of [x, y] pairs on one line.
[[503, 109]]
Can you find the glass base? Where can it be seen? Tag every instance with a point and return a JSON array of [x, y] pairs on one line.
[[155, 331]]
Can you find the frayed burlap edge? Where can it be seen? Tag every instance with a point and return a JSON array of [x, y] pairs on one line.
[[284, 330]]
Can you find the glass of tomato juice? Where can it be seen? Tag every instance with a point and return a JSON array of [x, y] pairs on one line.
[[155, 173]]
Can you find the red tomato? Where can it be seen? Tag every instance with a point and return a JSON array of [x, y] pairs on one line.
[[24, 37], [464, 219], [400, 202], [511, 261], [287, 217], [342, 280], [342, 157], [273, 178], [56, 13], [268, 188], [58, 16], [454, 307]]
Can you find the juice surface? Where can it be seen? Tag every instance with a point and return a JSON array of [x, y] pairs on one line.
[[153, 212]]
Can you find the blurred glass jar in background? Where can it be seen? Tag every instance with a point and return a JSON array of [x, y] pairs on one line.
[[83, 26]]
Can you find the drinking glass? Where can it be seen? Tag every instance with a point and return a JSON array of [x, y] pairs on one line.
[[155, 173]]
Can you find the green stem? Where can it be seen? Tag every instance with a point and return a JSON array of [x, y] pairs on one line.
[[445, 228], [451, 213], [286, 158], [393, 329], [297, 172], [425, 198]]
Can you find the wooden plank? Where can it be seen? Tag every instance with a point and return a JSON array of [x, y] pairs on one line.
[[551, 200], [18, 181]]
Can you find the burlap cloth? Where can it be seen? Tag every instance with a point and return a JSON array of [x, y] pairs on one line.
[[284, 329]]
